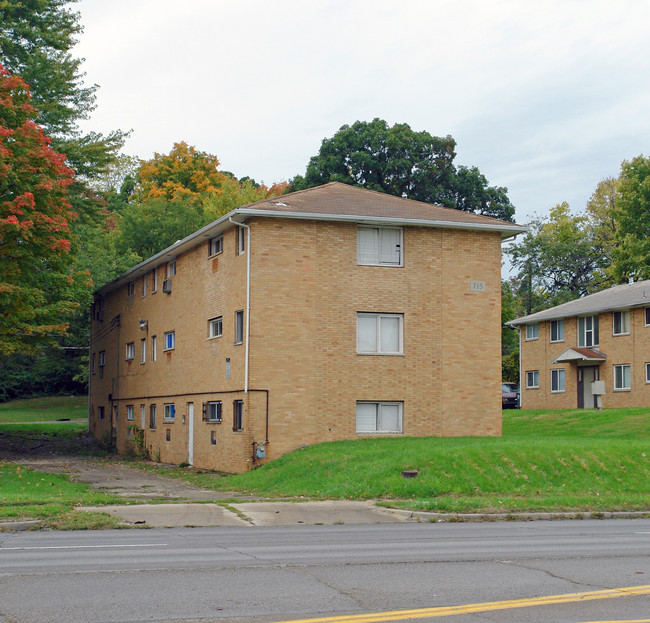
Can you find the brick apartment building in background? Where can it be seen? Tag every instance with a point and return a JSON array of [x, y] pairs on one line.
[[589, 353], [325, 314]]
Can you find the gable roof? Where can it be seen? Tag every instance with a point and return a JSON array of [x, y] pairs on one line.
[[330, 202], [619, 297]]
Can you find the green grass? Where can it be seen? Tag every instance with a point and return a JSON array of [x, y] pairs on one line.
[[28, 494], [49, 409], [546, 461]]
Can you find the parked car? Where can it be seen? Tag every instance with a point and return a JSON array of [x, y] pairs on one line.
[[510, 396]]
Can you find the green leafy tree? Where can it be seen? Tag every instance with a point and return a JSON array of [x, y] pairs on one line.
[[37, 289], [602, 223], [631, 254], [557, 260], [510, 309], [36, 40], [399, 161]]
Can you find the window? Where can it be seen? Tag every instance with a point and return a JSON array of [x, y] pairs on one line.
[[100, 413], [143, 350], [171, 268], [532, 379], [130, 350], [239, 327], [144, 284], [170, 412], [379, 417], [212, 411], [238, 415], [129, 413], [101, 362], [215, 245], [379, 246], [557, 380], [647, 316], [621, 322], [170, 340], [241, 240], [154, 282], [557, 330], [130, 288], [380, 333], [647, 372], [588, 331], [213, 437], [143, 414], [154, 347], [215, 327], [532, 331], [622, 377], [152, 416], [93, 364]]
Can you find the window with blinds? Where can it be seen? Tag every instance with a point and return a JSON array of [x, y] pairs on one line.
[[379, 246]]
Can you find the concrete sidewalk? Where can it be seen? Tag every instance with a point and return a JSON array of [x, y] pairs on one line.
[[253, 514]]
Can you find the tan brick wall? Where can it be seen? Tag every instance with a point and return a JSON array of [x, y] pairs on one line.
[[632, 349], [306, 290]]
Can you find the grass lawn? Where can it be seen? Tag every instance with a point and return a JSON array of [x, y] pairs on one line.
[[546, 461], [48, 409], [573, 460]]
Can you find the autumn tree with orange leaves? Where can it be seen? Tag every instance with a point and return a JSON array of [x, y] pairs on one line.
[[37, 288]]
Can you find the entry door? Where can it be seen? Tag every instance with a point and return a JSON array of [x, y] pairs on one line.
[[190, 433], [586, 376]]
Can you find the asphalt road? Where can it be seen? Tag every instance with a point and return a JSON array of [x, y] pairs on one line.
[[276, 574]]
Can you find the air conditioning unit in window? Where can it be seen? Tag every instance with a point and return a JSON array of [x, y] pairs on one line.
[[167, 286]]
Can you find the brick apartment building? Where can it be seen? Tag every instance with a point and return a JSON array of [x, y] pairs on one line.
[[588, 353], [325, 314]]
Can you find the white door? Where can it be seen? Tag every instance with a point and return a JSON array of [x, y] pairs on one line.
[[190, 433]]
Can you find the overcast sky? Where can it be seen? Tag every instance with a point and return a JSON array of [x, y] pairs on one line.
[[544, 97]]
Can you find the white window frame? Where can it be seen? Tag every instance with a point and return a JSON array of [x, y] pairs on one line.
[[584, 333], [143, 350], [129, 413], [214, 411], [130, 289], [154, 287], [532, 331], [154, 347], [378, 346], [647, 372], [143, 415], [144, 284], [169, 341], [171, 268], [215, 327], [215, 245], [152, 416], [239, 326], [379, 405], [646, 317], [380, 235], [622, 377], [130, 351], [623, 323], [169, 413], [558, 325], [532, 379], [558, 381], [241, 240]]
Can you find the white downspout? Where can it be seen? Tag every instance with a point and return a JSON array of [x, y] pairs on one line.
[[248, 298]]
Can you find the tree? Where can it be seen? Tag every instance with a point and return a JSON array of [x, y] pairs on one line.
[[399, 161], [37, 288], [36, 39], [557, 260], [631, 255], [184, 172]]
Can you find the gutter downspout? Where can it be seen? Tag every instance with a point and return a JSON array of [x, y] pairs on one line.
[[248, 298]]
